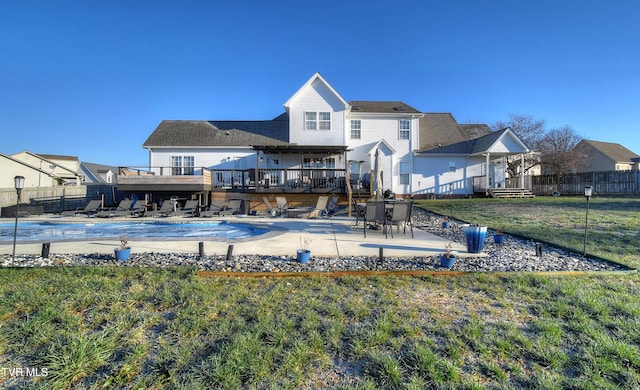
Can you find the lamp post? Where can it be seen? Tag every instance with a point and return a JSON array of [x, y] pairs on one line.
[[19, 184], [587, 195]]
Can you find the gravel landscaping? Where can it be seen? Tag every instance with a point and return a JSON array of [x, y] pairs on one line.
[[514, 255]]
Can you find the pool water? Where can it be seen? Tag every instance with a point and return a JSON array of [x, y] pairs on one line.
[[49, 231]]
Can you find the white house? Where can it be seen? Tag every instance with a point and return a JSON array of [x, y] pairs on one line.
[[324, 143]]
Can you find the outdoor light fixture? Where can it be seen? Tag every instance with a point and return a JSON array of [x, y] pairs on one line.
[[19, 184], [587, 195]]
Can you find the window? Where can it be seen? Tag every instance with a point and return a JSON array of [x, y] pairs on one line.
[[404, 129], [452, 166], [404, 173], [356, 129], [317, 121], [182, 165], [310, 121], [325, 121]]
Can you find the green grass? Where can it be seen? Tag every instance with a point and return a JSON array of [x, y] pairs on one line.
[[167, 328]]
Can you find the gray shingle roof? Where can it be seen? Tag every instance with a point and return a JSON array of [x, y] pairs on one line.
[[470, 145], [218, 133], [615, 152], [381, 107], [438, 130]]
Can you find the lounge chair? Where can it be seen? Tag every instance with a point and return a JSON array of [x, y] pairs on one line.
[[189, 210], [213, 209], [272, 211], [165, 209], [91, 208], [233, 207], [321, 207], [401, 214], [139, 208], [123, 209], [332, 207], [375, 214], [281, 204]]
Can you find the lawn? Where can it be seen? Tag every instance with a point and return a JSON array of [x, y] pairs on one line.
[[167, 328]]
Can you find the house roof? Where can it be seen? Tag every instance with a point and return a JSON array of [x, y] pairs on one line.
[[95, 170], [438, 130], [390, 107], [473, 146], [615, 152], [185, 133]]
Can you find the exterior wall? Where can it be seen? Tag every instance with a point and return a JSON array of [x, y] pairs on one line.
[[317, 98], [64, 168], [228, 158], [433, 175], [32, 177]]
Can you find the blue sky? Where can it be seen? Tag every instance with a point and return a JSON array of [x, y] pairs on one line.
[[93, 79]]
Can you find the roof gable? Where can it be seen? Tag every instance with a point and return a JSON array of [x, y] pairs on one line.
[[309, 84]]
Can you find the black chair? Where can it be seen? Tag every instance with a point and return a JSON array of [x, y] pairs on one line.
[[357, 211], [375, 213], [401, 214]]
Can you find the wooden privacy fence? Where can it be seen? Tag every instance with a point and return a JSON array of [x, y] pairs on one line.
[[603, 183]]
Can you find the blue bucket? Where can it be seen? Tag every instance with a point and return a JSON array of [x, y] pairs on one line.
[[474, 236], [303, 255]]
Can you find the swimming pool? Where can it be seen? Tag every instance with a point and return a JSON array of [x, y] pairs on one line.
[[51, 231]]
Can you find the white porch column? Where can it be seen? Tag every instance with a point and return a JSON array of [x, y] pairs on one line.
[[522, 170], [486, 185]]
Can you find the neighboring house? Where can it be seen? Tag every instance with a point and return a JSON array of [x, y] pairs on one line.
[[38, 170], [64, 169], [605, 156], [323, 143], [98, 174]]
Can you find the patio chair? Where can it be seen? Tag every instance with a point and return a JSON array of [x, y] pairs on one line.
[[332, 207], [165, 209], [358, 212], [91, 208], [375, 214], [189, 210], [213, 209], [321, 207], [401, 214], [272, 211], [281, 204], [139, 208], [233, 207], [123, 208]]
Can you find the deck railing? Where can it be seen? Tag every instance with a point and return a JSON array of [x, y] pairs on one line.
[[293, 180]]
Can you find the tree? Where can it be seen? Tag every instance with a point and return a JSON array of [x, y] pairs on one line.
[[531, 131], [559, 153]]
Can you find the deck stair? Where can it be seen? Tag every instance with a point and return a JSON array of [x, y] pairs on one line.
[[510, 193]]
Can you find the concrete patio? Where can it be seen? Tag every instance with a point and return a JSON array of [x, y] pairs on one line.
[[328, 237]]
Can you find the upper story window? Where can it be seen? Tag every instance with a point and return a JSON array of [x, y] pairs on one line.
[[182, 165], [317, 120], [356, 129], [404, 129]]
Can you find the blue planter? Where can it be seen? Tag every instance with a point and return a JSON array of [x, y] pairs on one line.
[[447, 262], [474, 236], [498, 238], [122, 254], [446, 225], [303, 255]]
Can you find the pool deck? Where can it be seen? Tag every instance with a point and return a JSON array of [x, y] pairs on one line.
[[330, 237]]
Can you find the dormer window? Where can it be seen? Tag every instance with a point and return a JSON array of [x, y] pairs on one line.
[[317, 120]]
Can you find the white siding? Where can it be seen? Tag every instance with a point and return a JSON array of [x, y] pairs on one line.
[[231, 158], [317, 98]]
